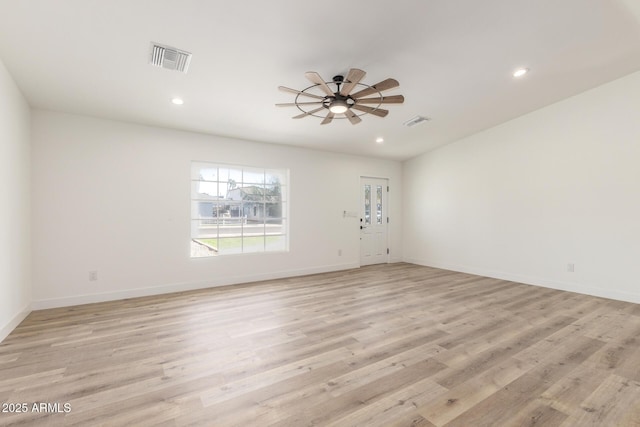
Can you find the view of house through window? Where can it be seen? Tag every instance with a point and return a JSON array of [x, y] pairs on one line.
[[237, 209]]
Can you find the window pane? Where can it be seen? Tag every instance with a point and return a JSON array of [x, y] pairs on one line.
[[203, 210], [273, 192], [251, 193], [230, 245], [277, 226], [379, 204], [195, 229], [230, 177], [273, 201], [203, 171], [230, 230], [253, 244], [275, 243], [213, 211], [275, 176], [367, 204], [277, 183], [203, 228], [231, 212], [253, 229], [204, 247], [207, 174], [273, 211], [204, 190], [253, 176]]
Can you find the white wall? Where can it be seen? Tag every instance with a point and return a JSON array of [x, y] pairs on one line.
[[15, 217], [115, 197], [524, 199]]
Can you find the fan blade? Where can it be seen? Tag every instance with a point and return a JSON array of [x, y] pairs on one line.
[[395, 99], [352, 117], [299, 92], [328, 119], [375, 111], [315, 78], [353, 78], [378, 87], [293, 104], [307, 113]]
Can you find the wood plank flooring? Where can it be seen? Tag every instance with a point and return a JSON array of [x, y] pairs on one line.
[[387, 345]]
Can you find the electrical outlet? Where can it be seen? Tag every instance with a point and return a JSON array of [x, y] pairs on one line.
[[93, 276], [571, 267]]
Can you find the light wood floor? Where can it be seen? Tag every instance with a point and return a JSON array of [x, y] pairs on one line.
[[388, 345]]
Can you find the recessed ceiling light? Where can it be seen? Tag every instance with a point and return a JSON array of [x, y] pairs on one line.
[[520, 72], [380, 140], [177, 101]]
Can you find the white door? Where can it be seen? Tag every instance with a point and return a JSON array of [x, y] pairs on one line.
[[373, 221]]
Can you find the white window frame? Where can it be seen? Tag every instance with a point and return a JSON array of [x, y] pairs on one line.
[[232, 209]]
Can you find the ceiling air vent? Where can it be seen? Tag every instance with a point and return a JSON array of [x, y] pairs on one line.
[[169, 58], [416, 121]]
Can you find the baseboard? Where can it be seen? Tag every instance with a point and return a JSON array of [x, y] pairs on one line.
[[181, 287], [13, 323], [535, 281]]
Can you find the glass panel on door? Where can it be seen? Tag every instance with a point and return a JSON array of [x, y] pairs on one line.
[[367, 205], [379, 204]]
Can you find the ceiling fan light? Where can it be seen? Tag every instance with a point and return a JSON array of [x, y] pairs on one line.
[[338, 106], [520, 72]]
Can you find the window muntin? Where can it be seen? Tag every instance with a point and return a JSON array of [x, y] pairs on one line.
[[238, 209]]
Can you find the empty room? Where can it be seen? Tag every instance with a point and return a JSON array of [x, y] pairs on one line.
[[292, 213]]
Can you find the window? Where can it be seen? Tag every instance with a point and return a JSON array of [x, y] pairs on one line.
[[238, 209]]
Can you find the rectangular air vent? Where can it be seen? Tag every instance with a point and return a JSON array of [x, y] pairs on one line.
[[416, 121], [169, 58]]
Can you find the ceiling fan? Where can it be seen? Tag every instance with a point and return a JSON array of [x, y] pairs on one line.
[[342, 101]]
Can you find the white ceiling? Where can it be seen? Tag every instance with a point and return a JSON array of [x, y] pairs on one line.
[[453, 60]]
